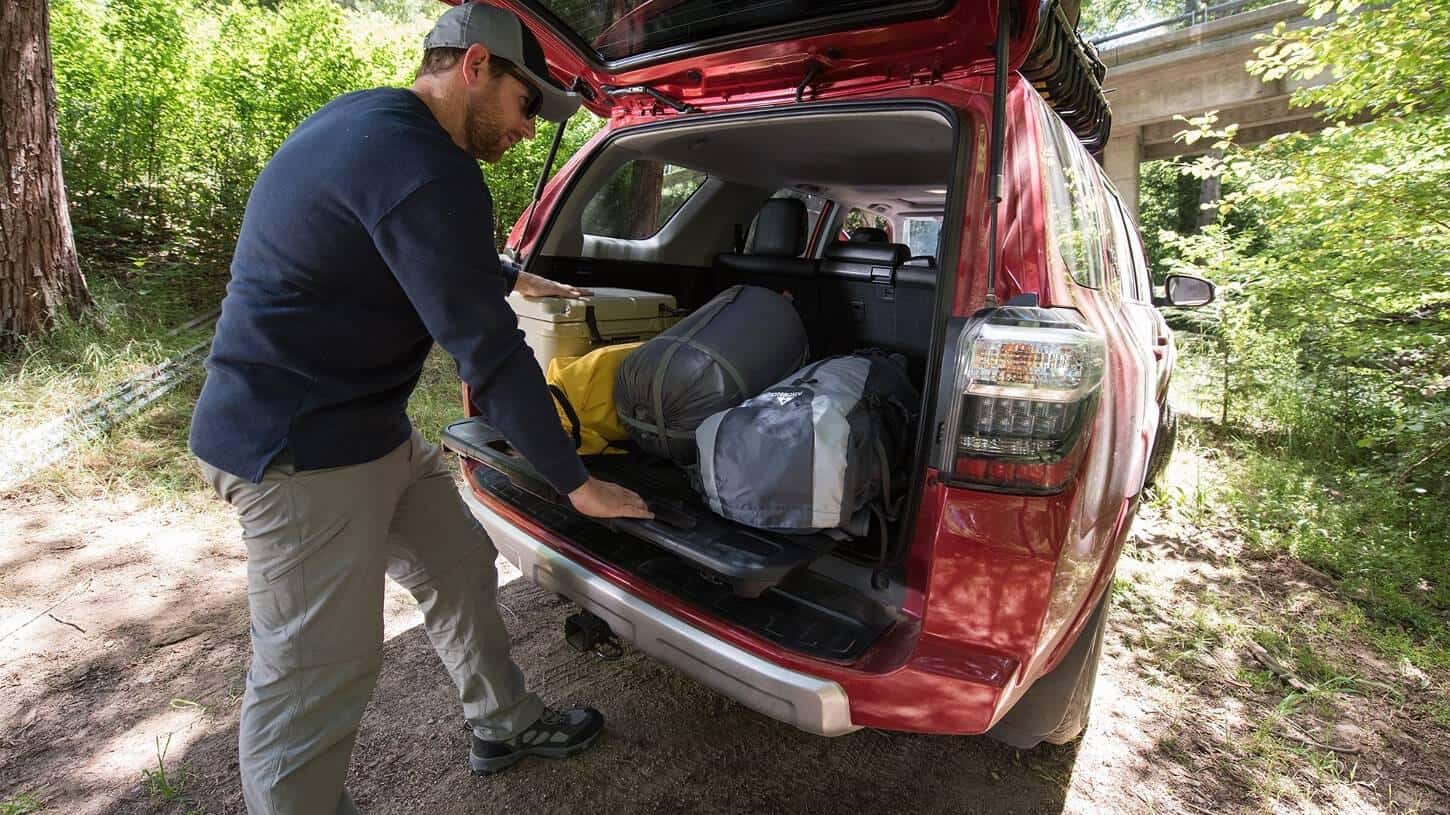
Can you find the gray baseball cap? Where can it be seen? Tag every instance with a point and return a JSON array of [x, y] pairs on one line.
[[504, 35]]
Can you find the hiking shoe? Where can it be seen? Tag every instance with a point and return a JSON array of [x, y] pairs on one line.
[[557, 734]]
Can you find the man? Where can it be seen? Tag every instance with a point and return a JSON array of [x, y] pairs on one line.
[[367, 237]]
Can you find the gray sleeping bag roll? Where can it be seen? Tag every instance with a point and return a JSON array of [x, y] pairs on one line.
[[816, 451], [730, 349]]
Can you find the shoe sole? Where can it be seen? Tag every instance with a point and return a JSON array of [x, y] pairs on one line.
[[489, 766]]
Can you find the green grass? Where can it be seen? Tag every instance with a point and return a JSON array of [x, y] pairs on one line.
[[161, 786], [438, 399], [1383, 542], [129, 331], [21, 805], [1384, 547]]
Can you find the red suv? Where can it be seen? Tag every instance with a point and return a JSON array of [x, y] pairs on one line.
[[981, 609]]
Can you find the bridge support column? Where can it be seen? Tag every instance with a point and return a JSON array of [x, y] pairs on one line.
[[1121, 159]]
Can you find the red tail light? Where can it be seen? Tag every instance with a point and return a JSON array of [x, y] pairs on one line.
[[1026, 391]]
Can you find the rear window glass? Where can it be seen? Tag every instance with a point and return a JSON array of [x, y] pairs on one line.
[[1074, 218], [921, 234], [624, 28], [640, 199]]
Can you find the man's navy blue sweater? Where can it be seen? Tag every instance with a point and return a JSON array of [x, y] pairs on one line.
[[368, 236]]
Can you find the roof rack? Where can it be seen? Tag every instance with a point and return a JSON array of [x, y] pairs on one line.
[[1066, 70]]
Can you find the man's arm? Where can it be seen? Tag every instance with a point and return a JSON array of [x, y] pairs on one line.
[[438, 243]]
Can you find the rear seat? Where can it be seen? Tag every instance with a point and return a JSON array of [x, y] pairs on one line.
[[775, 261], [882, 300]]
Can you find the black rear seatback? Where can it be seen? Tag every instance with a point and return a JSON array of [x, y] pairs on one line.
[[877, 298], [775, 261]]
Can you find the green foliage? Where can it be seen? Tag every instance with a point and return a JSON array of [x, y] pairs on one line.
[[1167, 202], [169, 108], [1100, 17], [512, 179], [1383, 543], [1389, 58], [1332, 333]]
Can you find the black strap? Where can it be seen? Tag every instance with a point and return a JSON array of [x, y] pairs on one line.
[[569, 414], [590, 320], [702, 318]]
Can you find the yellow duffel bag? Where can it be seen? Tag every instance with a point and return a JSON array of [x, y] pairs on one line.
[[583, 389]]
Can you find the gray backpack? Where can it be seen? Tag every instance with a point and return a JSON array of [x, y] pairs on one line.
[[816, 451]]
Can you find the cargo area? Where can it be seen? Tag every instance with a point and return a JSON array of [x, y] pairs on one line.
[[840, 212]]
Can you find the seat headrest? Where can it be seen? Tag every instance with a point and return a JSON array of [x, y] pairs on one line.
[[869, 234], [892, 254], [780, 229]]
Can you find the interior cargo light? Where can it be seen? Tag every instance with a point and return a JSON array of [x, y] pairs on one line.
[[1028, 380]]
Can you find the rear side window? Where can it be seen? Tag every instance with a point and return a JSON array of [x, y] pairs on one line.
[[1074, 222], [640, 199], [1141, 282], [1125, 252], [864, 217]]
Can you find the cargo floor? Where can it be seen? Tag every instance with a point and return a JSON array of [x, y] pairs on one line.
[[753, 579]]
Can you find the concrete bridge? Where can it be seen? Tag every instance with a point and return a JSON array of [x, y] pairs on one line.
[[1188, 72]]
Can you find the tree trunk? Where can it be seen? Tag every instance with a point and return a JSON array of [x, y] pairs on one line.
[[1209, 193], [644, 205], [40, 274]]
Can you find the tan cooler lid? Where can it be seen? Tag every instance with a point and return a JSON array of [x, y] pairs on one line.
[[609, 304]]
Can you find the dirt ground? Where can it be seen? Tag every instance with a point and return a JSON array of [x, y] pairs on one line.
[[123, 641]]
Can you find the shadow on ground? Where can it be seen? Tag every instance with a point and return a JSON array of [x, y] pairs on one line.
[[672, 746]]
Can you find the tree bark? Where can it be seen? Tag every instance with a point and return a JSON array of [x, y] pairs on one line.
[[40, 275], [646, 187], [1209, 193]]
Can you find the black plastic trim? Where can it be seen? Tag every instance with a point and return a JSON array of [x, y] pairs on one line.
[[749, 560]]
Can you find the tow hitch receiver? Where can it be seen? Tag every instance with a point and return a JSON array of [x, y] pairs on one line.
[[587, 634]]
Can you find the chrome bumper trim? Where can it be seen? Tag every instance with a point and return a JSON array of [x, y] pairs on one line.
[[810, 703]]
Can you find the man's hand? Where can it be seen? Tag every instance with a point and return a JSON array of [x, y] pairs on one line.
[[531, 285], [603, 499]]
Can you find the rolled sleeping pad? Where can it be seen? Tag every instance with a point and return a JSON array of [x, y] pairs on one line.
[[740, 343]]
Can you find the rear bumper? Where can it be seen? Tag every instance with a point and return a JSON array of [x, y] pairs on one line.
[[810, 703]]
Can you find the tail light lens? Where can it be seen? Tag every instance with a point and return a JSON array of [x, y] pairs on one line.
[[1026, 390]]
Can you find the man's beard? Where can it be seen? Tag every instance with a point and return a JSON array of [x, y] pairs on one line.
[[485, 134]]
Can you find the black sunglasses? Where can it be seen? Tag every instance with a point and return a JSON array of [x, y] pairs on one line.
[[536, 97]]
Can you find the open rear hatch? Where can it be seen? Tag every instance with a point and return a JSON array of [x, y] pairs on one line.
[[750, 561], [688, 56]]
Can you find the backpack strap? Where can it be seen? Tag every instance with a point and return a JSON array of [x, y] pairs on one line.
[[573, 417], [657, 387]]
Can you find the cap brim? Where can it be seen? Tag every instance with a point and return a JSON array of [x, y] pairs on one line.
[[558, 104]]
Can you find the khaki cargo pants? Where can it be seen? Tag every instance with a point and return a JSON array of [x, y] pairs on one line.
[[318, 545]]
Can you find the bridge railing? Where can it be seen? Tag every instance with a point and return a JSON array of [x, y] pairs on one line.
[[1202, 14]]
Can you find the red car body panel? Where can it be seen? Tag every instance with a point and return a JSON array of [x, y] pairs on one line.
[[999, 585]]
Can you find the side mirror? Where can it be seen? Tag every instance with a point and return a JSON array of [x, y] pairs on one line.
[[1185, 291]]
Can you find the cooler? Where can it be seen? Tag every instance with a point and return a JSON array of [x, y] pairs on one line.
[[572, 327]]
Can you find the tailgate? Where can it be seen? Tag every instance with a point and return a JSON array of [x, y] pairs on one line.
[[750, 560]]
